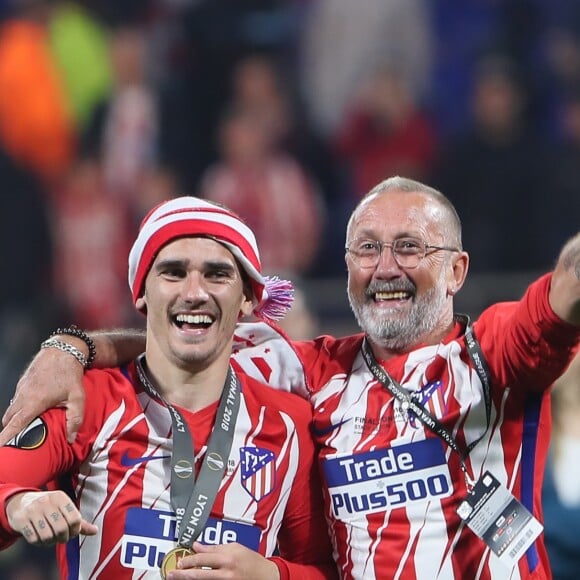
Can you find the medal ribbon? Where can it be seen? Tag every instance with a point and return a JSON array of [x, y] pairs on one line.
[[192, 498]]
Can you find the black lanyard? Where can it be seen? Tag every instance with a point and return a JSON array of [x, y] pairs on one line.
[[192, 498], [409, 403]]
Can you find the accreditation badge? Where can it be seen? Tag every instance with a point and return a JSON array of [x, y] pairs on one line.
[[172, 558], [499, 519]]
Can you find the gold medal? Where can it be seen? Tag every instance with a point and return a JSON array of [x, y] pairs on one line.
[[172, 557]]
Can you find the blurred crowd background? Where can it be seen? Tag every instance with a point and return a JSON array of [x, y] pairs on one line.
[[287, 111]]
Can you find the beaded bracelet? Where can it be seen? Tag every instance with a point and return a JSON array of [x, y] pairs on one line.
[[79, 333]]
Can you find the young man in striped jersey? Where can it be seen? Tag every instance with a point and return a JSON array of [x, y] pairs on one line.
[[182, 467], [433, 430]]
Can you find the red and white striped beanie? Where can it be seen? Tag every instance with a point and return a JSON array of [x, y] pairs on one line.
[[191, 216]]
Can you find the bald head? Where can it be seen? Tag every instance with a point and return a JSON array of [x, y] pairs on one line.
[[450, 222]]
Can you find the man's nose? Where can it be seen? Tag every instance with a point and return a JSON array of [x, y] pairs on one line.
[[194, 287], [387, 263]]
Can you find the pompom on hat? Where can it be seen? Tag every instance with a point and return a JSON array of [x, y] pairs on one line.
[[191, 216]]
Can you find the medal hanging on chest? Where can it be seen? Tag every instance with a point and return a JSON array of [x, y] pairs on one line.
[[192, 498]]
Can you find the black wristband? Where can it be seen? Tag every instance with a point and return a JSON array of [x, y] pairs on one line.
[[74, 330]]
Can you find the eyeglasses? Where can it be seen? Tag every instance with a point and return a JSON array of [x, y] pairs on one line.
[[408, 252]]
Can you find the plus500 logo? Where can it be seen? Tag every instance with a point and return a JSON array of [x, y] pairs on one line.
[[393, 477], [394, 495]]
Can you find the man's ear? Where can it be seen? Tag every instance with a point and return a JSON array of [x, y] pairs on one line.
[[247, 305], [459, 267], [141, 303], [246, 308]]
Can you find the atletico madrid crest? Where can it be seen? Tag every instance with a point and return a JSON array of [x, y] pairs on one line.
[[258, 470]]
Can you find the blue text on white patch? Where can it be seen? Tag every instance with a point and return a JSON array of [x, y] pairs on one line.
[[150, 534], [389, 478]]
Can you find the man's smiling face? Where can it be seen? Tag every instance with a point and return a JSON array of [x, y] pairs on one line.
[[394, 305], [194, 295]]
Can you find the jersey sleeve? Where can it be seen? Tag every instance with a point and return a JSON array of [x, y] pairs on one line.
[[303, 541], [31, 460], [40, 453], [524, 342]]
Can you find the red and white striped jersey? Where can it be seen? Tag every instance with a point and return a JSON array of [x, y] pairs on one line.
[[392, 486], [119, 468]]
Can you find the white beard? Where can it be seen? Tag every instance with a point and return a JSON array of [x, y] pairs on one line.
[[398, 333]]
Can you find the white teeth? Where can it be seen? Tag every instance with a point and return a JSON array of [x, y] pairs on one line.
[[194, 318], [391, 295]]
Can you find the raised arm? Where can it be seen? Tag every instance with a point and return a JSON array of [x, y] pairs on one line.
[[565, 287], [54, 378]]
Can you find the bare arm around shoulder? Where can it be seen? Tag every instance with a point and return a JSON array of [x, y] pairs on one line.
[[565, 287], [54, 379]]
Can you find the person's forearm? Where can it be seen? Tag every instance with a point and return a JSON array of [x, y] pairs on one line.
[[54, 376], [112, 347], [116, 347]]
